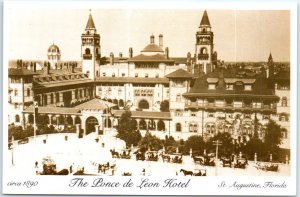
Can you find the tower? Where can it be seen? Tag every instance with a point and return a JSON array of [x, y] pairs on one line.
[[204, 46], [270, 66], [90, 50]]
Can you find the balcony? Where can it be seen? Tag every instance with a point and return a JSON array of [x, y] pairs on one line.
[[87, 56], [202, 56], [231, 107]]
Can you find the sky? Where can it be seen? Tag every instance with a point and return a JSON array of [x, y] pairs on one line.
[[239, 35]]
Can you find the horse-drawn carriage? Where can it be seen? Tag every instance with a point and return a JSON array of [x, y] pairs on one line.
[[176, 158], [207, 160], [200, 172], [241, 163], [49, 166], [125, 154], [226, 161], [151, 156], [267, 167], [139, 155]]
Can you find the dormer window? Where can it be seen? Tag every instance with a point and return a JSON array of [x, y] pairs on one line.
[[229, 86]]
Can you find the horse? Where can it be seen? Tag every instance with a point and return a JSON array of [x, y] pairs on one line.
[[186, 172], [114, 154], [165, 157]]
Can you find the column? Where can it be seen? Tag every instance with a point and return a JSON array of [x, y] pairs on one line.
[[147, 124], [26, 118], [57, 116], [77, 129], [156, 122], [96, 129], [112, 122], [73, 118], [138, 123], [50, 118]]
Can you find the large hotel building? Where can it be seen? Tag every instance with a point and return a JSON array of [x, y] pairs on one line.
[[205, 95]]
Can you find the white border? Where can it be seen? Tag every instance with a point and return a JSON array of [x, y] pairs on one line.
[[208, 185]]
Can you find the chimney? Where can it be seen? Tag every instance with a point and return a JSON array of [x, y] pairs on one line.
[[72, 67], [152, 39], [34, 67], [120, 55], [161, 45], [46, 68], [221, 78], [111, 58], [130, 52], [167, 52]]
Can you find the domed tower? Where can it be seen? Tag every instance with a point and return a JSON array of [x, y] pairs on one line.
[[152, 48], [204, 46], [53, 55], [90, 49]]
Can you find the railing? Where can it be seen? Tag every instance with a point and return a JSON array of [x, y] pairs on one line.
[[229, 106], [202, 56], [87, 56]]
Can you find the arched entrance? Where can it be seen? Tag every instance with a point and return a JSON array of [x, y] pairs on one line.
[[90, 124], [143, 104], [143, 125], [161, 125]]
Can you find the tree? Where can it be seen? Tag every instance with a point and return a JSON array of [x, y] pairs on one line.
[[164, 106], [127, 129], [195, 143], [273, 137], [227, 147], [150, 142]]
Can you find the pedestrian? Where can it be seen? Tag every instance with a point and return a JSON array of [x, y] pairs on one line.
[[71, 170], [36, 164]]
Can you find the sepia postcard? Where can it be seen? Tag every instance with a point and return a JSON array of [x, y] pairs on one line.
[[148, 98]]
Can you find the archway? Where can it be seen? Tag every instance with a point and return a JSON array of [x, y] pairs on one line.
[[121, 103], [178, 127], [151, 125], [61, 120], [143, 125], [161, 125], [77, 120], [69, 120], [143, 104], [90, 124]]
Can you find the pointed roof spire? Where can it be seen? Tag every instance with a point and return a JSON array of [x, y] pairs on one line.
[[270, 57], [205, 20], [90, 24]]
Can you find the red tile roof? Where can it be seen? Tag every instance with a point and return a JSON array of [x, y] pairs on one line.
[[145, 114], [180, 73], [20, 72], [132, 80], [150, 58], [95, 104]]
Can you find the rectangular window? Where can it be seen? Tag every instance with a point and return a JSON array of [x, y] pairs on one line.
[[136, 74], [146, 75], [103, 74], [229, 87], [123, 74], [193, 114], [248, 87], [211, 86], [113, 75]]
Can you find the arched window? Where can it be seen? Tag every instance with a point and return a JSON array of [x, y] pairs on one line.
[[17, 118], [178, 127], [87, 51], [16, 92], [143, 104]]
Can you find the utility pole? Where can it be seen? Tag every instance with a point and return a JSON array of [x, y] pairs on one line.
[[217, 144]]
